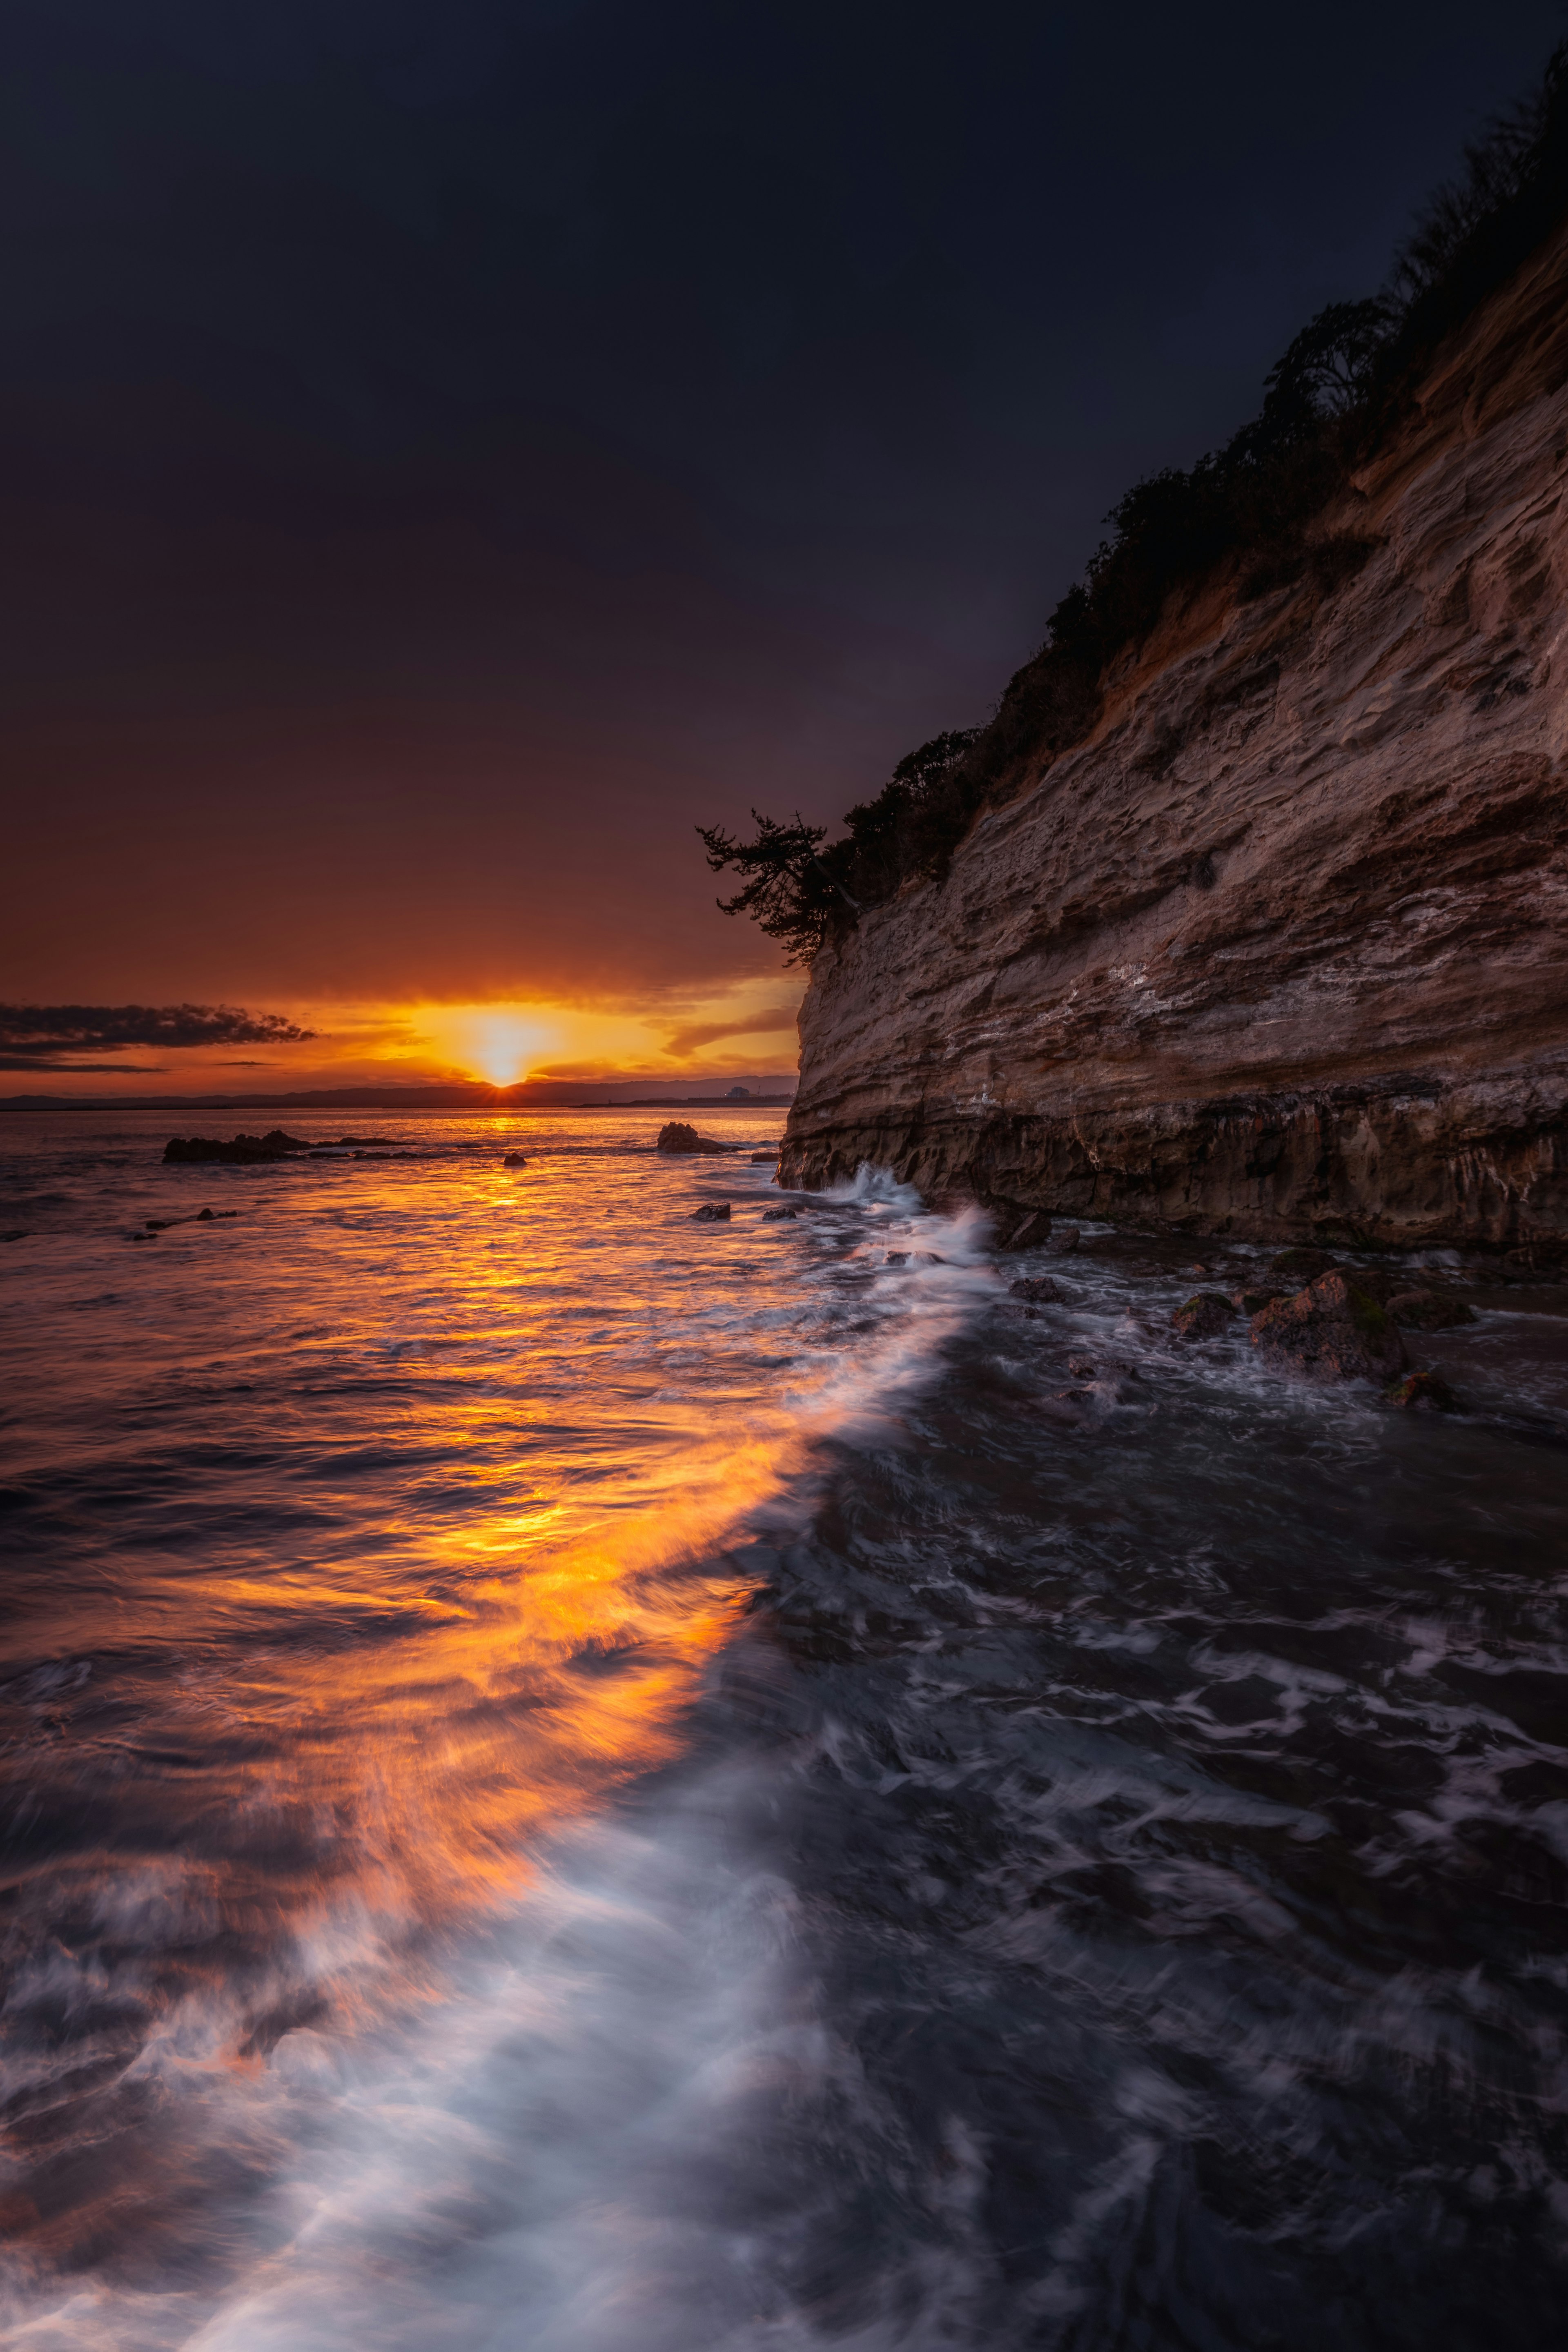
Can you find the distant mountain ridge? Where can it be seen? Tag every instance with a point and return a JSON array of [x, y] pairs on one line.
[[557, 1093]]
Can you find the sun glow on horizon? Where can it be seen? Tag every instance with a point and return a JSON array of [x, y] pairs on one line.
[[747, 1024], [509, 1043], [504, 1045]]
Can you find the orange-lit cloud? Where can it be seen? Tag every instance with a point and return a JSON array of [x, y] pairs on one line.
[[502, 1041]]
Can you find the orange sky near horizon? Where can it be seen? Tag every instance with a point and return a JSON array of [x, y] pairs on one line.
[[746, 1027]]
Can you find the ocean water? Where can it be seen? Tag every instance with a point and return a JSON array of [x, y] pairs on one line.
[[580, 1782]]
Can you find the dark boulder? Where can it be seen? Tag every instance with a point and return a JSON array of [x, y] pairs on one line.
[[1037, 1287], [1330, 1332], [711, 1212], [1203, 1316], [1423, 1392], [1023, 1232], [1064, 1238], [774, 1216], [762, 1158], [1429, 1310], [514, 1160], [677, 1137]]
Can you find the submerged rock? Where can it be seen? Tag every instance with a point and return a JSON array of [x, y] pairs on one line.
[[1037, 1286], [677, 1137], [1063, 1240], [1202, 1316], [1429, 1310], [1331, 1331], [773, 1216], [1423, 1392], [514, 1160], [711, 1212]]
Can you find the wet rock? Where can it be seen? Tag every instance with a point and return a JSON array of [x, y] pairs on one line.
[[1025, 1233], [1330, 1332], [1064, 1238], [711, 1212], [677, 1137], [1081, 1368], [1036, 1287], [1202, 1316], [514, 1160], [1423, 1392], [775, 1216], [762, 1158], [1429, 1310]]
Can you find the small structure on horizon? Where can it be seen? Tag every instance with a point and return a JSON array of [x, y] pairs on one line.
[[739, 1094]]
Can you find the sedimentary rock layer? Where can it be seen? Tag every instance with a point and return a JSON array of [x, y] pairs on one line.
[[1281, 950]]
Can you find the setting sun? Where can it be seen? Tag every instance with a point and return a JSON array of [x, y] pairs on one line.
[[503, 1045]]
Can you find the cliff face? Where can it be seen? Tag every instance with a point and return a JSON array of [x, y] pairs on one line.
[[1282, 949]]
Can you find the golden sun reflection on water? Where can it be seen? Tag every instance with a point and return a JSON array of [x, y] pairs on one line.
[[397, 1540], [428, 1472]]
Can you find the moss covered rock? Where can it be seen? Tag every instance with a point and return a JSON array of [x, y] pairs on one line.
[[1331, 1331]]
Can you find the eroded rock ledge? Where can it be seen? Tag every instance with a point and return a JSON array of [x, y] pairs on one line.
[[1282, 949]]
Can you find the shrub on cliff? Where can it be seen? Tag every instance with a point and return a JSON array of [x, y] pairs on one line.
[[1339, 386], [794, 889]]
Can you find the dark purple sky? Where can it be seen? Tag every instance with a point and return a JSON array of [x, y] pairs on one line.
[[450, 450]]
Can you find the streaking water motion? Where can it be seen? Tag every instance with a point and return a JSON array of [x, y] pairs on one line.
[[583, 1781]]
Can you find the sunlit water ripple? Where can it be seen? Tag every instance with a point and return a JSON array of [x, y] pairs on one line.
[[583, 1781]]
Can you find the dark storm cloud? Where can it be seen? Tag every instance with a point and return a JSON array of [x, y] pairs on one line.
[[34, 1036], [453, 448]]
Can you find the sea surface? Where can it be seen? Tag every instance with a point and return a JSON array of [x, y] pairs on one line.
[[575, 1781]]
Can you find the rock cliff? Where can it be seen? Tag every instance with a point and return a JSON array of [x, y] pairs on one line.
[[1282, 949]]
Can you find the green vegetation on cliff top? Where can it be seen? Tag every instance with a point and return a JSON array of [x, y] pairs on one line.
[[1339, 387]]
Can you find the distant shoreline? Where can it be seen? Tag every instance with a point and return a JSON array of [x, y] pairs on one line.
[[383, 1100]]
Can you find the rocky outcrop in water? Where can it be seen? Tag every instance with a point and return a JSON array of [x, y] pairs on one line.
[[239, 1151], [676, 1136], [1281, 949]]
